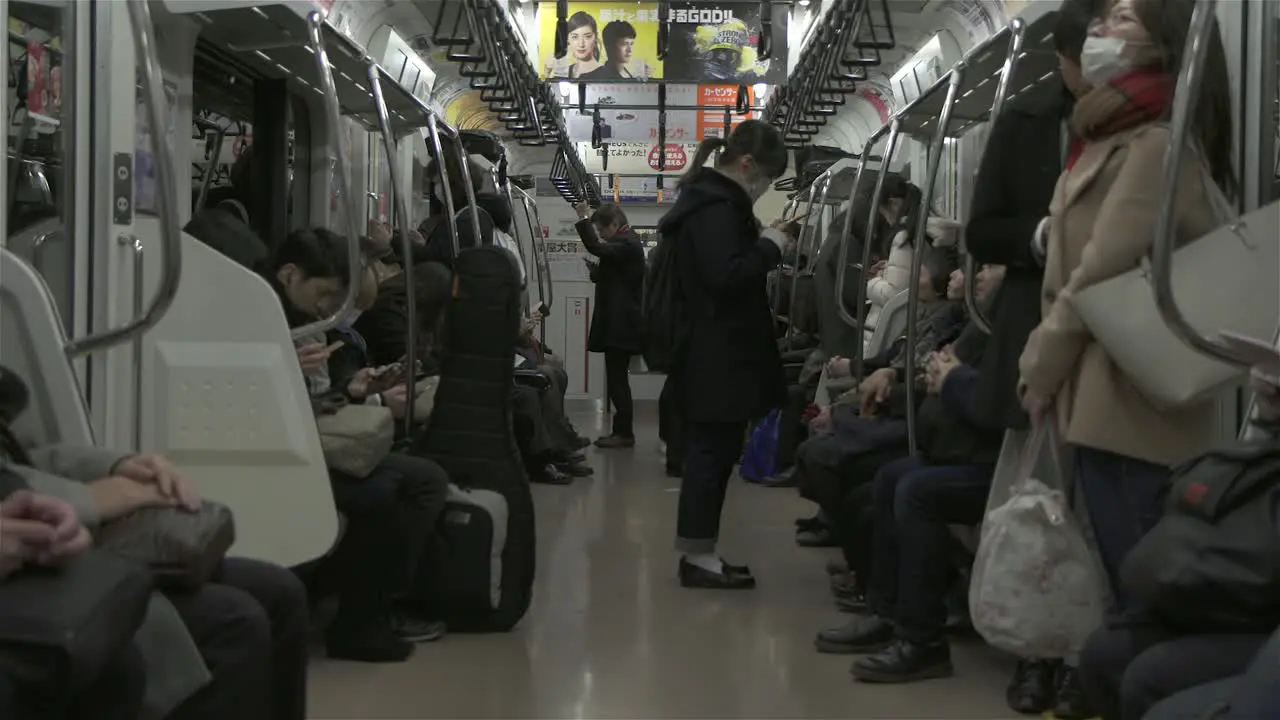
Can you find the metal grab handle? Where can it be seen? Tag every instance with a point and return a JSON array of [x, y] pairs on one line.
[[535, 236], [1017, 35], [775, 299], [355, 263], [873, 210], [917, 259], [437, 151], [464, 160], [531, 202], [807, 224], [1190, 78], [166, 194], [138, 269], [406, 244], [210, 171]]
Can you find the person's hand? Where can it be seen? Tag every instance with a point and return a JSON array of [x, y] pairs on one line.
[[416, 238], [117, 496], [875, 388], [22, 538], [379, 233], [1267, 400], [313, 357], [878, 269], [822, 421], [358, 387], [940, 366], [583, 210], [168, 479], [70, 537], [396, 400], [838, 367], [1036, 405]]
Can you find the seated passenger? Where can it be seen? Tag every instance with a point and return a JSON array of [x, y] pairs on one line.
[[890, 276], [1250, 696], [243, 651], [839, 461], [496, 212], [915, 499], [392, 512], [41, 531], [1131, 667]]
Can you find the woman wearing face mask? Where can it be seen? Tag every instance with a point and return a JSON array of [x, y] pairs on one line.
[[730, 372], [1100, 226]]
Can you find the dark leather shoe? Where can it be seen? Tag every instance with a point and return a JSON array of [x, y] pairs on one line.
[[575, 469], [580, 443], [905, 661], [675, 470], [864, 634], [736, 569], [575, 457], [692, 576], [1030, 692], [551, 475], [1070, 703], [809, 523], [609, 442], [816, 538], [855, 604]]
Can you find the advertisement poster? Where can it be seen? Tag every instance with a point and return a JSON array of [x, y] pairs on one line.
[[608, 42], [716, 43], [144, 162], [711, 122], [627, 123], [638, 158]]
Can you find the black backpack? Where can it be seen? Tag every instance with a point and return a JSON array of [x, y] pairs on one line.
[[1212, 562], [666, 324]]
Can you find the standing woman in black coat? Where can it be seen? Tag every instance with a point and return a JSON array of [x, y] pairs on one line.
[[616, 321], [729, 371]]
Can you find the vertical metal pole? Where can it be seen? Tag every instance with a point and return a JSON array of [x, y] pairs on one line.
[[917, 260], [895, 134]]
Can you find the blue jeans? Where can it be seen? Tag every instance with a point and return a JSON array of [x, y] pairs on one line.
[[912, 561], [1124, 499]]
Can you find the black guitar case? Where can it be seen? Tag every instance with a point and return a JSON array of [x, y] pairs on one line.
[[470, 434]]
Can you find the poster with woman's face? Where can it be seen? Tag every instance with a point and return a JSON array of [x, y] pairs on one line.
[[606, 42]]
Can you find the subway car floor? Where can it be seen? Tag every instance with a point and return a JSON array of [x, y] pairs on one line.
[[611, 634]]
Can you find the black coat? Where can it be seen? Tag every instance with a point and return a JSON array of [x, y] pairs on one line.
[[730, 370], [1015, 184], [616, 320]]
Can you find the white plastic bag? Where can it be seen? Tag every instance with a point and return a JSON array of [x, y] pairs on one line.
[[1034, 590]]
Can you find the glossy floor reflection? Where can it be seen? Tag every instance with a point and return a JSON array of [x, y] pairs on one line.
[[612, 635]]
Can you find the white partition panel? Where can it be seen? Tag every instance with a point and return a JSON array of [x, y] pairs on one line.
[[224, 398]]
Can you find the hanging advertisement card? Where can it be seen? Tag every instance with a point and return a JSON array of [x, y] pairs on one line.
[[638, 158], [608, 42], [623, 121], [711, 122], [717, 43]]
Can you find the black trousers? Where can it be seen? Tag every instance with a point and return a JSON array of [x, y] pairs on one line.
[[617, 380], [913, 565], [672, 428], [115, 695], [251, 626], [1128, 668], [390, 517], [713, 450]]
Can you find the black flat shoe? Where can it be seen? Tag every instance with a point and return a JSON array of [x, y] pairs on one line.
[[905, 661], [866, 634], [816, 538], [692, 576], [1030, 692], [736, 569], [809, 523], [855, 604], [551, 475], [1070, 703], [785, 479], [575, 469]]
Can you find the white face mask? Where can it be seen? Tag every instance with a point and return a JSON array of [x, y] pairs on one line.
[[757, 187], [438, 191], [1102, 59]]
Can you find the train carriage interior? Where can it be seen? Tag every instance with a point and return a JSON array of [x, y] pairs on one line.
[[381, 359]]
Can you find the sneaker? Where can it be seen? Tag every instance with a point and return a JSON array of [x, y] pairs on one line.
[[418, 630], [366, 641]]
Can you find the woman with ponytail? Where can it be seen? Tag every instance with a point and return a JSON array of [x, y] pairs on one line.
[[728, 371]]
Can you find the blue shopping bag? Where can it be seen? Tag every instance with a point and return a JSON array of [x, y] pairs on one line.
[[760, 458]]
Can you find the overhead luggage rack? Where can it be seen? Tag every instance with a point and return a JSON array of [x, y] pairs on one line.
[[985, 72], [271, 40]]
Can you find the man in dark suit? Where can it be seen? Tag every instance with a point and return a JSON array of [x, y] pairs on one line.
[[1024, 157]]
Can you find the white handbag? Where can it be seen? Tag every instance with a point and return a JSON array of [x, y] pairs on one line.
[[1225, 280]]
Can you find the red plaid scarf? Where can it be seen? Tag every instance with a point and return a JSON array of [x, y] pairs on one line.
[[1131, 99]]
